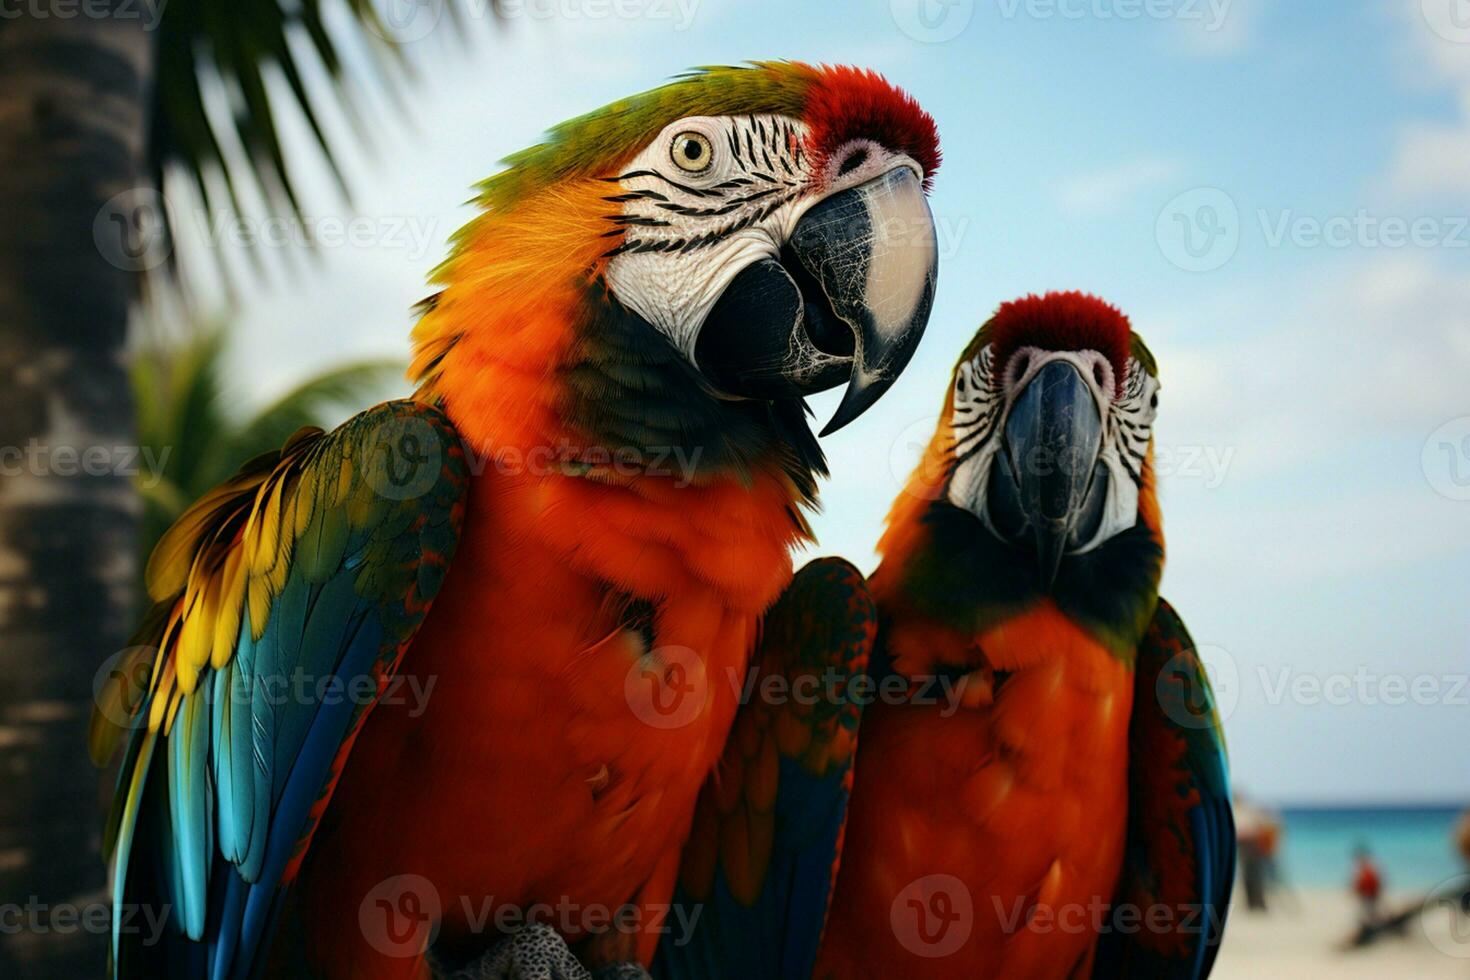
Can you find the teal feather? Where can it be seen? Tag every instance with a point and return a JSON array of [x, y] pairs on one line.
[[211, 830]]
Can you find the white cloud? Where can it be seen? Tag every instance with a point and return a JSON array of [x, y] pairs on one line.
[[1108, 192], [1434, 158], [1358, 350]]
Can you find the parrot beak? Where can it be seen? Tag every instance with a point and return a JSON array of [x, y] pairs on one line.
[[848, 301], [1045, 487]]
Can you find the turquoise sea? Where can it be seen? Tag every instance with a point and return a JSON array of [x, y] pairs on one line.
[[1413, 845]]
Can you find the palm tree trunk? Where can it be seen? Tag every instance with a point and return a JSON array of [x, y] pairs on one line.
[[74, 81]]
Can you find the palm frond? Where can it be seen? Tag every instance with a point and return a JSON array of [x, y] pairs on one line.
[[191, 427], [206, 48]]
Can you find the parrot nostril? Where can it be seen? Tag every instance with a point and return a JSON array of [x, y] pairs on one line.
[[854, 160], [1016, 370]]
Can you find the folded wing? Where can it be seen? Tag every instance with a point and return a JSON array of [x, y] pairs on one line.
[[283, 602], [1180, 862], [767, 833]]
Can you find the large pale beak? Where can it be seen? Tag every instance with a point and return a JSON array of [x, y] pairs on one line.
[[848, 301], [1046, 485]]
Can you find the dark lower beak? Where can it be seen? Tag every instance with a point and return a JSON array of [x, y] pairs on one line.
[[1042, 489], [847, 302]]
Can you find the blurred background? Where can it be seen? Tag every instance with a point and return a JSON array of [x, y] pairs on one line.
[[216, 216]]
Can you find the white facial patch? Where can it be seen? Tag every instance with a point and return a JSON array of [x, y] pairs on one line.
[[709, 197], [1130, 429], [688, 234], [975, 425], [978, 429]]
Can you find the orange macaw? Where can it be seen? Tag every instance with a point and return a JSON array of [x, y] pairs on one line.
[[593, 495], [1068, 815]]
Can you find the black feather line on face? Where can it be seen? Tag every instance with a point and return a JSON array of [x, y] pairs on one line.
[[778, 145]]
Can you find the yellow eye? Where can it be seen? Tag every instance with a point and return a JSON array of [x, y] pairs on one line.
[[692, 152]]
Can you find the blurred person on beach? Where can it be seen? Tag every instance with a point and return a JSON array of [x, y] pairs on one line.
[[1256, 837], [1462, 842], [1367, 884]]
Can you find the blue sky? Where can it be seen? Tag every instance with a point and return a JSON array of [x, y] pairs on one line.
[[1314, 348]]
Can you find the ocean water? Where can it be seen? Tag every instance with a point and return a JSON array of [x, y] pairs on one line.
[[1413, 845]]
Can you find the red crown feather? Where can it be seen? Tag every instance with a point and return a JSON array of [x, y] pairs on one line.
[[1063, 321], [847, 103]]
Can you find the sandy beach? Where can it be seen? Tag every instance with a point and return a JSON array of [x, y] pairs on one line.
[[1303, 940]]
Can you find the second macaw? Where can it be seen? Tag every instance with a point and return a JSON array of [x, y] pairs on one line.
[[1072, 817], [392, 686]]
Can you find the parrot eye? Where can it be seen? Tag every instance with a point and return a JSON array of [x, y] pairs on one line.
[[692, 152]]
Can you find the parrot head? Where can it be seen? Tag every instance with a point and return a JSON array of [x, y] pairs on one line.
[[1046, 439], [765, 225]]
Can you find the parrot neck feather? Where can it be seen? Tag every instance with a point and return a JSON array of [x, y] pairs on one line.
[[946, 578]]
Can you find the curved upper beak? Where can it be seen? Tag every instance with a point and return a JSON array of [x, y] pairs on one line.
[[1053, 437], [849, 300]]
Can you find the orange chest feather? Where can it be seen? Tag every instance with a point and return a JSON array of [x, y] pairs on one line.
[[567, 591], [581, 667], [1019, 798]]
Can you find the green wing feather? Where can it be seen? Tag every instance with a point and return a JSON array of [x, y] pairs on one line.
[[767, 835], [1180, 858], [279, 593]]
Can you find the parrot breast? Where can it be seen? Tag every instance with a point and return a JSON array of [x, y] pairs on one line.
[[580, 657], [987, 842]]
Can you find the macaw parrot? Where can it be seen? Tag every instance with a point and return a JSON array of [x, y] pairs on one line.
[[595, 489], [1068, 814]]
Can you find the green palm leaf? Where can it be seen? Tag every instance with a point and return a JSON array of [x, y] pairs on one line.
[[233, 47], [191, 433]]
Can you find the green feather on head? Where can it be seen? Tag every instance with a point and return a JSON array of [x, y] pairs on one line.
[[587, 145]]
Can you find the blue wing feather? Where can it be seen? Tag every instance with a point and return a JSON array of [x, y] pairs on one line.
[[761, 917], [250, 754], [1181, 837]]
